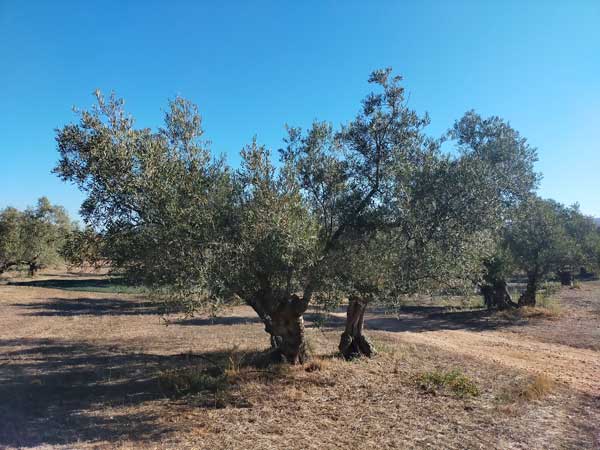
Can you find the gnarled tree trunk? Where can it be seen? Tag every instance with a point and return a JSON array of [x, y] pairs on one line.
[[287, 336], [528, 298], [353, 343], [283, 319]]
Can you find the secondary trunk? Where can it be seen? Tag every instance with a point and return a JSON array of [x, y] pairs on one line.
[[33, 267], [528, 298], [353, 343], [566, 277], [497, 296]]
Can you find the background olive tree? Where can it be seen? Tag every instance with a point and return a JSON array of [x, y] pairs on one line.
[[505, 162], [544, 237], [33, 237]]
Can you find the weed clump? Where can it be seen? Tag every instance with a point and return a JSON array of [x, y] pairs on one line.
[[454, 381]]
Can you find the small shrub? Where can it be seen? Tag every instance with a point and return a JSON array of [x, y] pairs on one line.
[[454, 380]]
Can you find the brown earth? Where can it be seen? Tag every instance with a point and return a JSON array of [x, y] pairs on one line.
[[82, 370]]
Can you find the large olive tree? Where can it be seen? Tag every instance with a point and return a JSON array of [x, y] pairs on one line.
[[176, 218], [396, 215]]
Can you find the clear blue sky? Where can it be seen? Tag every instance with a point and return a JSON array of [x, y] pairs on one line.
[[253, 66]]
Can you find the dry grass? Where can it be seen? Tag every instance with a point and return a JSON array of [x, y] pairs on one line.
[[538, 388], [549, 309], [85, 370], [529, 389]]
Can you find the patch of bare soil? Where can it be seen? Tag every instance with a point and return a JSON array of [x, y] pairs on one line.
[[83, 370]]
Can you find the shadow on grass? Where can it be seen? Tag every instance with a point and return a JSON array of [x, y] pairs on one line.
[[420, 319], [55, 392], [225, 320], [66, 307], [109, 285]]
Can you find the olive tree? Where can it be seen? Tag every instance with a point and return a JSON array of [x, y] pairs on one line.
[[396, 215], [10, 238], [505, 162], [584, 253], [546, 237], [33, 237], [176, 218]]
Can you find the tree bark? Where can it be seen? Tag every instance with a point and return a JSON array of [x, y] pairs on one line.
[[566, 277], [283, 319], [288, 339], [528, 298], [353, 343]]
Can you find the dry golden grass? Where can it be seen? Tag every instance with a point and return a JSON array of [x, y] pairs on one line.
[[538, 388], [552, 311], [528, 389], [89, 370]]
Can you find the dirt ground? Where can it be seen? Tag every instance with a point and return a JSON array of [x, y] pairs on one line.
[[87, 370]]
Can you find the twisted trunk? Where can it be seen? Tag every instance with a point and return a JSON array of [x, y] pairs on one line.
[[528, 298], [283, 319], [353, 343]]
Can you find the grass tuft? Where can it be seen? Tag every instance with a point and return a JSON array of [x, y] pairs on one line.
[[534, 388], [538, 388], [191, 380]]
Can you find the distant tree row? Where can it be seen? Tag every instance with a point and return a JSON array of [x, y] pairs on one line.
[[371, 211]]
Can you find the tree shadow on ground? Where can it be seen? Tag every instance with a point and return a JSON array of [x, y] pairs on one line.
[[476, 320], [219, 320], [89, 306], [422, 318], [55, 392], [76, 283]]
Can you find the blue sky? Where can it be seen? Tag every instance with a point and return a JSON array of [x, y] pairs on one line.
[[254, 66]]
